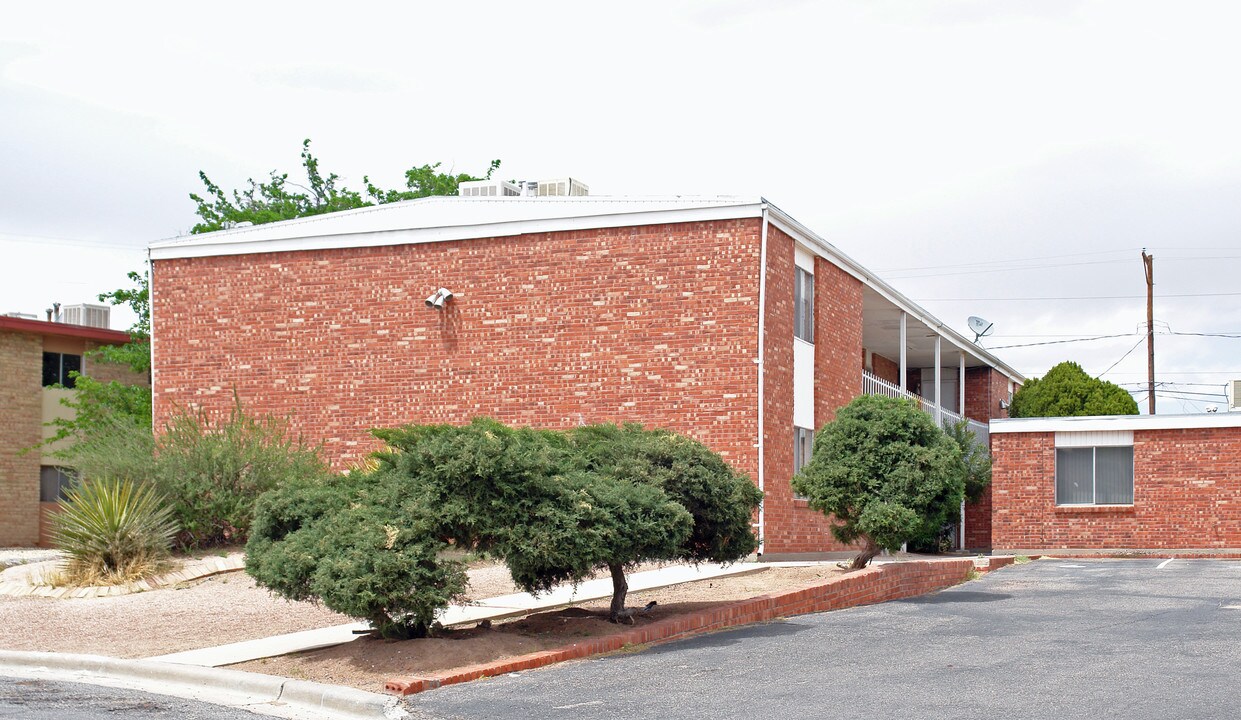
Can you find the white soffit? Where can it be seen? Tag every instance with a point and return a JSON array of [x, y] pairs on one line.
[[1112, 423]]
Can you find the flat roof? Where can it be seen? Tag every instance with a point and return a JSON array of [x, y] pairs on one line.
[[43, 327], [451, 217], [1096, 423]]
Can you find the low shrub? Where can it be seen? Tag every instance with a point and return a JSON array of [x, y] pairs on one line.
[[211, 469], [215, 470], [112, 531]]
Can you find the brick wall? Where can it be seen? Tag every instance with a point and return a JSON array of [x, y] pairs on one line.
[[653, 324], [21, 397], [791, 526], [984, 388], [885, 369], [1186, 494], [109, 372]]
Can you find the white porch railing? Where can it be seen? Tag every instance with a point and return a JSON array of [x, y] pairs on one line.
[[874, 385]]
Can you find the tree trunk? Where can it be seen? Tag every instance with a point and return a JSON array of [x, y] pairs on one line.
[[619, 589], [869, 551]]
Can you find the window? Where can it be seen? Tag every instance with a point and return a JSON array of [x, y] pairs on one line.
[[803, 446], [803, 305], [53, 482], [57, 366], [1094, 475]]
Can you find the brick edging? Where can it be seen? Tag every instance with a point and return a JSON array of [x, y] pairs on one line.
[[197, 569], [875, 584]]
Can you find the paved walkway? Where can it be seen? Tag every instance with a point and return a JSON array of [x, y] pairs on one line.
[[488, 609]]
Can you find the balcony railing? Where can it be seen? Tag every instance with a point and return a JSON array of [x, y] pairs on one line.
[[874, 385]]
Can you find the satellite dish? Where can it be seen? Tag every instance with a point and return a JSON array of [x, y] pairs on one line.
[[981, 328]]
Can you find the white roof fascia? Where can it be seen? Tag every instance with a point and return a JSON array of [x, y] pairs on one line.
[[233, 242], [1097, 423], [807, 237]]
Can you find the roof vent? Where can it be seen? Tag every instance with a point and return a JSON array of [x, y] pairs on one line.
[[1233, 391], [89, 315], [487, 188], [563, 187]]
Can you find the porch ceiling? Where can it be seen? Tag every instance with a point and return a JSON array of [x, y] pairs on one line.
[[881, 334]]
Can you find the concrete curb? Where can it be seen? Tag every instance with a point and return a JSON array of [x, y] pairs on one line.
[[214, 685], [193, 570], [875, 584]]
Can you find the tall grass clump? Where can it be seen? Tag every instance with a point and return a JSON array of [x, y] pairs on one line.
[[112, 531]]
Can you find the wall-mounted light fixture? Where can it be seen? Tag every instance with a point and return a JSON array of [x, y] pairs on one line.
[[438, 298]]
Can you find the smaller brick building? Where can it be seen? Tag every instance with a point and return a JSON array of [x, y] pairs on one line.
[[34, 356], [1134, 482]]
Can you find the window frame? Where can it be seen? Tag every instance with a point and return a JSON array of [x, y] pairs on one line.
[[62, 374], [64, 480], [803, 305], [803, 449], [1094, 474]]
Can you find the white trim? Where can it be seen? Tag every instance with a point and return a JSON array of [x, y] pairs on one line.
[[803, 258], [301, 237], [1094, 438], [1116, 422], [762, 313]]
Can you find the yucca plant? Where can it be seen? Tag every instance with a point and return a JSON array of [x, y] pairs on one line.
[[112, 531]]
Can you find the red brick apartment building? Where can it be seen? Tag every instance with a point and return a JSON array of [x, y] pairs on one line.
[[720, 318], [1130, 482], [34, 356]]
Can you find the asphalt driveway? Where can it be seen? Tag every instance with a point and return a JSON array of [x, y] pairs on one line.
[[1050, 639]]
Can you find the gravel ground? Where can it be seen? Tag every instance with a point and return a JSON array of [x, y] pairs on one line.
[[20, 556], [213, 611]]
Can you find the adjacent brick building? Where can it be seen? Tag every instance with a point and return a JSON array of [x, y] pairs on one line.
[[720, 318], [34, 355], [1134, 482]]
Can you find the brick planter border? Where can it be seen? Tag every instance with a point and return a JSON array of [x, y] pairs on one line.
[[876, 584], [192, 570]]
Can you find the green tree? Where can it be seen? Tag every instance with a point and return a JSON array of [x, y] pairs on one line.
[[278, 199], [886, 474], [556, 507], [1066, 390]]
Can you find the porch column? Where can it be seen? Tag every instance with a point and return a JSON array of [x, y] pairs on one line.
[[904, 369], [961, 387], [939, 412]]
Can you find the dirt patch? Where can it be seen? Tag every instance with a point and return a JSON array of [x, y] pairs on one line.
[[212, 611], [367, 663]]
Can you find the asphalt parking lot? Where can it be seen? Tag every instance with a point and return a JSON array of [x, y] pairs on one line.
[[1050, 639]]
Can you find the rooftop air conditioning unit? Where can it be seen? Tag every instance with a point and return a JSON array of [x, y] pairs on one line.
[[488, 188], [1233, 390], [98, 316], [562, 187]]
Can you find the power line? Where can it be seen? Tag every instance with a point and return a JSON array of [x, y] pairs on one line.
[[1001, 262], [1076, 297], [1061, 342], [1122, 357]]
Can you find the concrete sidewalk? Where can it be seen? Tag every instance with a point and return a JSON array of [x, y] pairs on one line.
[[488, 609]]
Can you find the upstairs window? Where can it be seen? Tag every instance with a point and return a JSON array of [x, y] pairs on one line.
[[57, 366], [803, 304]]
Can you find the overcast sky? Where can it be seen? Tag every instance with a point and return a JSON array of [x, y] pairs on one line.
[[1002, 159]]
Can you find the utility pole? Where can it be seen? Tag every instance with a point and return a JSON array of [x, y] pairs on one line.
[[1148, 261]]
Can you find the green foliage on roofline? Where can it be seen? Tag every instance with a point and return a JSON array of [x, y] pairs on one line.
[[1066, 391], [278, 199]]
